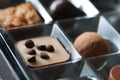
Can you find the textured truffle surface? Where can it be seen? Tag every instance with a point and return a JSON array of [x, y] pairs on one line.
[[90, 44]]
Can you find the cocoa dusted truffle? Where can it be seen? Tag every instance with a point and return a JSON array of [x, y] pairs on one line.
[[62, 9], [90, 44]]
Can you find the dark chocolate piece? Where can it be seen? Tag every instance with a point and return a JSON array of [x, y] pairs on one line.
[[62, 9], [32, 52], [32, 59], [29, 44], [42, 47], [44, 56], [50, 48]]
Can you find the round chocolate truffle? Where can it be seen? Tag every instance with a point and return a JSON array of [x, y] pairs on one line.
[[114, 73], [62, 9], [91, 44]]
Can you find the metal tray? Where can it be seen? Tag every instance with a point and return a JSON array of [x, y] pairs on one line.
[[110, 60], [73, 66], [6, 70], [99, 24]]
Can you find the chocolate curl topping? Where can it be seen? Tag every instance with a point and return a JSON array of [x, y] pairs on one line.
[[29, 44], [44, 56], [32, 52], [32, 59], [50, 48], [42, 47]]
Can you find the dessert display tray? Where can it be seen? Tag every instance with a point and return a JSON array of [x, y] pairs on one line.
[[70, 69], [98, 24], [63, 20]]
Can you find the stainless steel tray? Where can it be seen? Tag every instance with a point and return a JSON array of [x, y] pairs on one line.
[[73, 66], [99, 24]]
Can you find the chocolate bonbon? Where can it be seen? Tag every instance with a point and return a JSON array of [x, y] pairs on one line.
[[90, 44], [62, 9], [42, 51]]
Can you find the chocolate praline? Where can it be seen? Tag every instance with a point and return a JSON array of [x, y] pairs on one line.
[[62, 9], [91, 44]]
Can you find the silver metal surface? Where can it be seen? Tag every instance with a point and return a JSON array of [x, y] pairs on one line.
[[6, 70], [73, 66], [86, 6]]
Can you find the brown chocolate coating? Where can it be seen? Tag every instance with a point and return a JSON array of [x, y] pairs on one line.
[[114, 73], [90, 44], [62, 9]]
